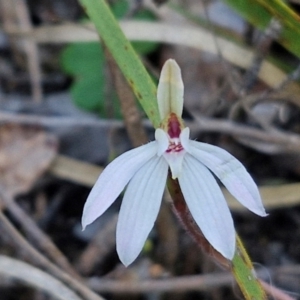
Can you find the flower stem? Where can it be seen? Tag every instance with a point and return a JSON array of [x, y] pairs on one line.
[[241, 265]]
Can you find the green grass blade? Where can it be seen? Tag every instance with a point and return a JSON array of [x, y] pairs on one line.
[[260, 13], [245, 276], [124, 55]]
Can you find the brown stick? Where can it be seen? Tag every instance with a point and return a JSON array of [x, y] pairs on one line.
[[37, 258], [14, 269], [131, 114], [274, 292], [31, 50], [178, 284], [286, 142], [205, 282], [37, 235]]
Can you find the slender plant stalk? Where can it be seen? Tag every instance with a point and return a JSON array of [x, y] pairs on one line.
[[145, 91], [241, 265]]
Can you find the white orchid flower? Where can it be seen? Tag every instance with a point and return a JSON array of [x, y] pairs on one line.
[[144, 170]]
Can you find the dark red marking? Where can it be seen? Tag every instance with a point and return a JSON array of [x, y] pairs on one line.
[[174, 129], [174, 148]]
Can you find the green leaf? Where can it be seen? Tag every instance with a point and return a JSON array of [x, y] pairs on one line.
[[124, 55], [260, 13], [85, 61]]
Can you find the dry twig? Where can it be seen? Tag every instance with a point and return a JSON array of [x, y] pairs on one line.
[[37, 258], [131, 114], [15, 14], [189, 36], [36, 234], [31, 50], [99, 247], [18, 270], [279, 141], [206, 282]]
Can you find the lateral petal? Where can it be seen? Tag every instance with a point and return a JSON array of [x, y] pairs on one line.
[[139, 208], [232, 174], [170, 90], [185, 138], [113, 179], [162, 141], [207, 206]]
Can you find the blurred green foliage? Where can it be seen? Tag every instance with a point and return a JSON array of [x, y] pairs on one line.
[[85, 63], [261, 12]]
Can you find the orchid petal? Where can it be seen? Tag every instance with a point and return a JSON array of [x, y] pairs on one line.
[[207, 206], [231, 173], [162, 141], [185, 138], [113, 179], [170, 90], [140, 208]]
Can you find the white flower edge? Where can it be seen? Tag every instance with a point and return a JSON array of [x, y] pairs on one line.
[[113, 180], [145, 169], [140, 207], [231, 173], [208, 206]]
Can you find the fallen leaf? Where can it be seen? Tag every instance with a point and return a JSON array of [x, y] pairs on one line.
[[25, 154]]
